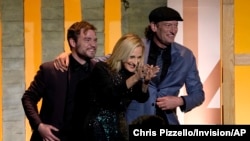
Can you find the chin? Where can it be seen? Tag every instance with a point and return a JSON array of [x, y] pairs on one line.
[[91, 56], [131, 70]]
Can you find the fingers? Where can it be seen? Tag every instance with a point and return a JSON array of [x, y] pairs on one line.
[[58, 66], [141, 71], [67, 62], [155, 69], [54, 128], [52, 138], [61, 64], [51, 135], [147, 72], [151, 72], [161, 104]]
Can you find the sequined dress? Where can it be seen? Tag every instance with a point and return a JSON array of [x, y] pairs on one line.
[[109, 98]]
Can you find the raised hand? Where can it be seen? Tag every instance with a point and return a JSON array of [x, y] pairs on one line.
[[62, 61], [150, 72]]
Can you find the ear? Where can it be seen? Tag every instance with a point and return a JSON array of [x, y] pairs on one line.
[[72, 42], [153, 26]]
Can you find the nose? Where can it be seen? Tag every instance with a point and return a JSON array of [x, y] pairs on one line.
[[93, 43], [137, 61], [173, 28]]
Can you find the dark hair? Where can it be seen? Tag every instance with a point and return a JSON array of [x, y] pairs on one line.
[[148, 33], [75, 29]]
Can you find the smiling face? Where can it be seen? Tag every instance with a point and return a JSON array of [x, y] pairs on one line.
[[165, 32], [127, 53], [133, 60], [82, 40], [85, 46]]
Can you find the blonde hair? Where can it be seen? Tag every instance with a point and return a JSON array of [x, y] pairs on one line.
[[122, 50]]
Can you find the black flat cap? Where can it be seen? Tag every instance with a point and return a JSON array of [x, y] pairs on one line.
[[164, 14]]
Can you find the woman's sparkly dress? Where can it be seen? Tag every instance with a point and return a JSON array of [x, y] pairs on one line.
[[109, 98]]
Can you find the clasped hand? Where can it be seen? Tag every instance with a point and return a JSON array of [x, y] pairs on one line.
[[147, 72]]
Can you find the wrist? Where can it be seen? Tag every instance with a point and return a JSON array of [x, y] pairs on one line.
[[136, 78]]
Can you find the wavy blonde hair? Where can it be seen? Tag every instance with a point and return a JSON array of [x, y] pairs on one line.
[[122, 50]]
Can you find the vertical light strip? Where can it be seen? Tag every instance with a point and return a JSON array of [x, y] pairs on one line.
[[112, 21], [33, 45], [1, 93], [72, 13], [190, 36], [221, 72], [209, 57], [241, 46], [190, 15]]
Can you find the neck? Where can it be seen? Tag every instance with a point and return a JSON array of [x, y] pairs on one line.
[[160, 44]]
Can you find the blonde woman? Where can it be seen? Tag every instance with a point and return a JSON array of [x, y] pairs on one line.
[[112, 85]]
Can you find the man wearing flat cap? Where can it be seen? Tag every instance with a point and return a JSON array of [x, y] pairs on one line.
[[177, 68]]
